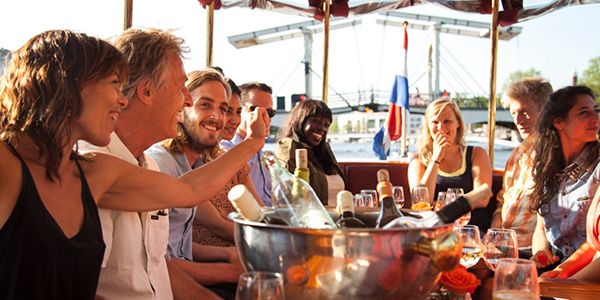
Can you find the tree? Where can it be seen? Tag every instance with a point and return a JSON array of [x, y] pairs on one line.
[[591, 76], [518, 75]]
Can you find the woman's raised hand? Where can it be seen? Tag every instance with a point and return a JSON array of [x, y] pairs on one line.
[[441, 142]]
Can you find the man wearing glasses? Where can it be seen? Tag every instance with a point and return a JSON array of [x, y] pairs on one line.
[[255, 94]]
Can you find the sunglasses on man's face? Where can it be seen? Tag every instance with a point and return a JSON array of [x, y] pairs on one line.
[[271, 112]]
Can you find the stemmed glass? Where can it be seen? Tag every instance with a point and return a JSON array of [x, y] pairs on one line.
[[499, 243], [440, 202], [260, 285], [515, 279], [469, 235], [373, 193], [363, 200], [420, 198], [398, 193], [451, 195]]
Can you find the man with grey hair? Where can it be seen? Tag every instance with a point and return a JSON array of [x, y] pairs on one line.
[[524, 99], [134, 265]]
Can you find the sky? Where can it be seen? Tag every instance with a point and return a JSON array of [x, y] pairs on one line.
[[363, 57]]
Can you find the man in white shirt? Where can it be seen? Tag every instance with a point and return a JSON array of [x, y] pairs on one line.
[[134, 265]]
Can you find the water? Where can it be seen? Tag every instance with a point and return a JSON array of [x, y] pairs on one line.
[[364, 151]]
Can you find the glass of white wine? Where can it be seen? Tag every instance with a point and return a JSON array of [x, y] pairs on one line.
[[375, 200], [451, 195], [398, 192], [499, 243], [420, 198], [515, 279], [471, 241], [260, 286]]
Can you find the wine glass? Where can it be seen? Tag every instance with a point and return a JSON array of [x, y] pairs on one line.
[[375, 200], [440, 202], [471, 241], [260, 285], [515, 279], [363, 200], [499, 243], [451, 195], [398, 193], [420, 198]]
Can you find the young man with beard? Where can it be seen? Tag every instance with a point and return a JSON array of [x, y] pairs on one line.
[[255, 94], [197, 144], [134, 265]]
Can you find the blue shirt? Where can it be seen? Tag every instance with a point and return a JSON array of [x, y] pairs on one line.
[[565, 215], [259, 173], [181, 220]]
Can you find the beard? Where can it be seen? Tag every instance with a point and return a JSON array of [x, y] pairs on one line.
[[194, 140]]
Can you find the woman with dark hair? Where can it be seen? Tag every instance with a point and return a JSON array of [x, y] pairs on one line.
[[306, 128], [566, 173], [61, 87]]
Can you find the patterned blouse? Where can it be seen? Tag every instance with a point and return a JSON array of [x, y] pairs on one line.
[[201, 234]]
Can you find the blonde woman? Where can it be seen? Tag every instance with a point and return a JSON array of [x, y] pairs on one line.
[[445, 161]]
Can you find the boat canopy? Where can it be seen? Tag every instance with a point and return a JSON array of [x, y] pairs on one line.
[[511, 12]]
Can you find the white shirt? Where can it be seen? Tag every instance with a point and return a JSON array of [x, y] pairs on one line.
[[134, 265]]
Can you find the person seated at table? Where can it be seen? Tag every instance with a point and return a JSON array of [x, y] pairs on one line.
[[61, 87], [445, 161], [524, 99], [197, 144], [306, 128], [566, 173]]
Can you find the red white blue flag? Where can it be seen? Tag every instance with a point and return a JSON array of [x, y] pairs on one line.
[[398, 99]]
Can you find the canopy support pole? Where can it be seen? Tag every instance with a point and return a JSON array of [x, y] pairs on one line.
[[492, 103], [210, 15], [326, 8], [127, 14]]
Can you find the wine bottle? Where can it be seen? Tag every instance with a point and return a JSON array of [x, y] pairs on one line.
[[247, 206], [389, 211], [447, 214], [301, 170], [296, 197], [345, 207]]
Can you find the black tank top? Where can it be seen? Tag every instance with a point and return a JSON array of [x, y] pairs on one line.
[[482, 216], [37, 261]]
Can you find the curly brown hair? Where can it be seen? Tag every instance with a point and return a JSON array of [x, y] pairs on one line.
[[40, 93]]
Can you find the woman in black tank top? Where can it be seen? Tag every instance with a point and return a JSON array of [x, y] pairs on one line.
[[444, 161], [61, 87]]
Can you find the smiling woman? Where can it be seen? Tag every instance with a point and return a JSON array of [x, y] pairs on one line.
[[306, 128]]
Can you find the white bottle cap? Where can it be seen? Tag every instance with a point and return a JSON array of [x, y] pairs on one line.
[[245, 203], [345, 202]]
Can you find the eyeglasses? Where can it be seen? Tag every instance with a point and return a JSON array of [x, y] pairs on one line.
[[271, 112]]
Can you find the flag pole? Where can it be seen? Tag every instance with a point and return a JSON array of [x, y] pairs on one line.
[[127, 14], [403, 144], [492, 104], [210, 24]]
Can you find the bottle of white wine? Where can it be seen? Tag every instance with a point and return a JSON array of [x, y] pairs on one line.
[[345, 207], [247, 206], [448, 214], [301, 170], [296, 197], [389, 211]]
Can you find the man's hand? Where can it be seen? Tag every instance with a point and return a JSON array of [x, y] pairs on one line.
[[257, 129], [479, 197], [544, 258]]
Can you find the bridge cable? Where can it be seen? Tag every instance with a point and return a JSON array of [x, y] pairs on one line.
[[456, 76], [334, 90], [465, 70]]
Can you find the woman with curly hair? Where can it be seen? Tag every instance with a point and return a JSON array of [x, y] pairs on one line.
[[61, 87], [566, 173]]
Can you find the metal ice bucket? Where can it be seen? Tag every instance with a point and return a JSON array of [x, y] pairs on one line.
[[349, 263]]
